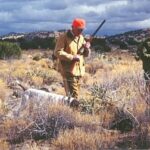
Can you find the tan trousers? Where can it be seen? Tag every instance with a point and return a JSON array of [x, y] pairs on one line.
[[72, 85]]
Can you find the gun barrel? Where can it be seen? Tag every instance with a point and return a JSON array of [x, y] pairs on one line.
[[94, 33]]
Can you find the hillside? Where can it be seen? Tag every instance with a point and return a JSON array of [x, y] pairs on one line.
[[138, 35], [31, 35], [46, 40], [129, 40]]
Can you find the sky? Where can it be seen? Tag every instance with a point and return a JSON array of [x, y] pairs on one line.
[[51, 15]]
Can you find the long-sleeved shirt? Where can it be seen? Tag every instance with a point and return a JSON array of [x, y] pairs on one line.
[[66, 48]]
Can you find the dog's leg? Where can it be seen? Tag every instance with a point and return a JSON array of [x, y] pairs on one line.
[[23, 104]]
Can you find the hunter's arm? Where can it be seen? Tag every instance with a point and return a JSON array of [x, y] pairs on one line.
[[60, 49]]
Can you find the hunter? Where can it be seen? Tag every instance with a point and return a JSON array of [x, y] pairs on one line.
[[70, 50]]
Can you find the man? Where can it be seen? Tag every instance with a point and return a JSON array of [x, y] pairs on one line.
[[143, 53], [71, 48]]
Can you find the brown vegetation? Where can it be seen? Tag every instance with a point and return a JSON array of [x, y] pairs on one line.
[[113, 78]]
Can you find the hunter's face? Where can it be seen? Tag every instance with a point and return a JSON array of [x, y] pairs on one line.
[[77, 31]]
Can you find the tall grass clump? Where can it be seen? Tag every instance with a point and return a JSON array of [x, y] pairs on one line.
[[40, 124], [4, 90], [3, 96], [78, 139], [48, 123]]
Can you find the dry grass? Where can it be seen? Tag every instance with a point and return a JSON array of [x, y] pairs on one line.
[[117, 77], [68, 129], [4, 145], [3, 91], [78, 139], [3, 96]]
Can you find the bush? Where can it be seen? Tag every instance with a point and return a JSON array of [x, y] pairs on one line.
[[37, 43], [123, 45], [100, 45], [8, 50]]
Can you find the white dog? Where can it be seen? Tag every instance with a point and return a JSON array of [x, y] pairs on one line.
[[39, 98]]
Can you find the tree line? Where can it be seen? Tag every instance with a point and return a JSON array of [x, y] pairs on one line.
[[12, 47]]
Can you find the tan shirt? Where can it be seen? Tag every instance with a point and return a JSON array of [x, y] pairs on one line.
[[65, 49]]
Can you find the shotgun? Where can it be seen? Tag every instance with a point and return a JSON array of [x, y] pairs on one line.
[[81, 50]]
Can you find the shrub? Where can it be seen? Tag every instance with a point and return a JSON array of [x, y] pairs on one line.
[[100, 45], [37, 43], [8, 50], [123, 45]]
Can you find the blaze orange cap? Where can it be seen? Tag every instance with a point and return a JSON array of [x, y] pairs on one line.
[[79, 23]]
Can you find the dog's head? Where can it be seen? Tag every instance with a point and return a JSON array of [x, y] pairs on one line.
[[74, 103]]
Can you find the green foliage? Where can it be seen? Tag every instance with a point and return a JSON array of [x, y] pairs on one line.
[[132, 41], [9, 50], [37, 43], [100, 45], [120, 43], [123, 45]]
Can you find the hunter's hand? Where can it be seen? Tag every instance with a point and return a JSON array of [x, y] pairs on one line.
[[86, 49], [76, 58], [87, 45]]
